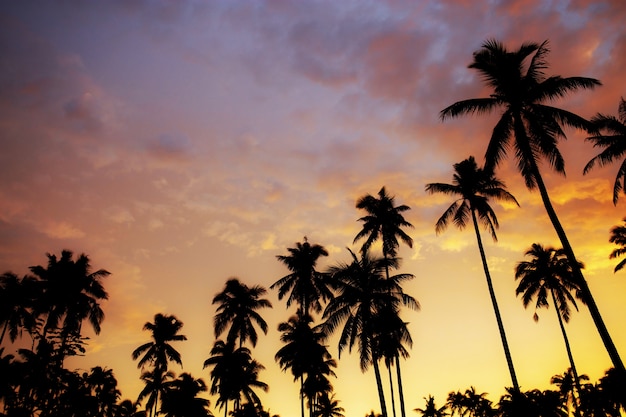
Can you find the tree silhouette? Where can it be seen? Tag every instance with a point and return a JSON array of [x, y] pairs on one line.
[[613, 142], [159, 351], [181, 398], [362, 293], [305, 285], [549, 275], [618, 237], [385, 221], [474, 187], [237, 305], [431, 410], [521, 89], [17, 297]]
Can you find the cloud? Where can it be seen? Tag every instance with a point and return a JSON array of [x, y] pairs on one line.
[[62, 230]]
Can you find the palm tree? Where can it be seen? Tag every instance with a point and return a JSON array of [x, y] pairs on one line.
[[181, 398], [363, 293], [237, 305], [159, 352], [549, 274], [469, 403], [307, 285], [328, 406], [613, 144], [17, 296], [534, 128], [566, 385], [71, 293], [431, 409], [618, 237], [155, 386], [303, 352], [385, 221], [474, 187]]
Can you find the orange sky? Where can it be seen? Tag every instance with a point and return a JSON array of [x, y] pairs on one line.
[[180, 144]]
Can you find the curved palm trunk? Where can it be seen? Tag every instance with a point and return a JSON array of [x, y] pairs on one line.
[[379, 383], [302, 394], [586, 292], [492, 294], [393, 401], [569, 352], [400, 391]]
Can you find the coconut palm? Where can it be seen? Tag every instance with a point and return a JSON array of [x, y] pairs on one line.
[[431, 410], [474, 187], [304, 354], [71, 293], [470, 403], [181, 398], [362, 293], [237, 305], [159, 351], [328, 406], [549, 275], [154, 389], [521, 89], [566, 385], [618, 237], [613, 142], [385, 221], [305, 285], [17, 296]]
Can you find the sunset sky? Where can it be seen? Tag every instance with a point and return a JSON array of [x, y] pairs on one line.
[[182, 143]]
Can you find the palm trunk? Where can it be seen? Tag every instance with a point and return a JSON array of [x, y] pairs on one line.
[[492, 294], [569, 352], [400, 390], [379, 383], [4, 330], [586, 292], [226, 408], [393, 401], [302, 394]]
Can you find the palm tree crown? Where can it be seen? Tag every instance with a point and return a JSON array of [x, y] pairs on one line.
[[618, 237], [237, 305], [613, 142], [383, 221], [159, 351], [307, 285]]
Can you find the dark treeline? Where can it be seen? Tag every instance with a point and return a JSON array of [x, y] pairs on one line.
[[360, 302]]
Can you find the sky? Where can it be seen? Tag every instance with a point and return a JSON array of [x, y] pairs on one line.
[[179, 144]]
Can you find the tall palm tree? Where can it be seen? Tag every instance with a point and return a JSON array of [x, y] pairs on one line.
[[237, 305], [234, 375], [521, 89], [618, 237], [385, 221], [154, 389], [613, 142], [474, 187], [307, 285], [431, 410], [71, 293], [159, 351], [362, 293], [303, 353], [549, 275]]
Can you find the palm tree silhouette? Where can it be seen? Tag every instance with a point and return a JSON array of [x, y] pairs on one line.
[[470, 403], [362, 293], [71, 294], [549, 274], [474, 187], [17, 296], [613, 143], [328, 406], [566, 385], [618, 237], [304, 354], [159, 352], [181, 398], [431, 410], [237, 305], [154, 389], [534, 128], [385, 221], [305, 285]]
